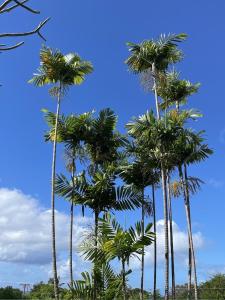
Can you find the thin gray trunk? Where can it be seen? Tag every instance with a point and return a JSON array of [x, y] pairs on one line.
[[124, 281], [189, 270], [54, 262], [143, 249], [171, 240], [165, 204], [71, 229], [95, 263], [188, 216], [155, 91], [165, 201], [190, 239], [155, 243]]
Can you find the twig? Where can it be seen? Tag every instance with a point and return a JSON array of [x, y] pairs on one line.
[[36, 30], [27, 7], [11, 47], [4, 4]]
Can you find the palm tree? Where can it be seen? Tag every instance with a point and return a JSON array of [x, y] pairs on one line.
[[190, 149], [72, 131], [141, 173], [62, 71], [173, 90], [99, 193], [123, 244], [156, 56], [160, 139]]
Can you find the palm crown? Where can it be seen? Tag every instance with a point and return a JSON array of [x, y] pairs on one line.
[[55, 67], [161, 53]]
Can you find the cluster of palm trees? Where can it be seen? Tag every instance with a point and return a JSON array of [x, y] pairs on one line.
[[157, 149]]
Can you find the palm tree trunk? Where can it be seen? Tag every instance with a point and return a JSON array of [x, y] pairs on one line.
[[124, 281], [190, 239], [165, 204], [71, 229], [188, 215], [95, 263], [143, 249], [54, 263], [189, 269], [155, 243], [155, 91], [171, 240]]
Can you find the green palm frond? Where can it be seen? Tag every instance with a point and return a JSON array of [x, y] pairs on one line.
[[55, 67], [160, 52]]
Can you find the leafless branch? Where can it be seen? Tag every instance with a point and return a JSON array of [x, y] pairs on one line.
[[8, 9], [35, 31], [4, 4], [3, 48], [27, 7]]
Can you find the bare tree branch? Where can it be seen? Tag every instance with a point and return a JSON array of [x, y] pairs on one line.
[[27, 7], [12, 7], [4, 4], [36, 30], [10, 47]]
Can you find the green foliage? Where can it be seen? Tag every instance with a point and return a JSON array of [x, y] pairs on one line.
[[213, 288], [161, 53], [55, 67], [10, 293], [173, 90]]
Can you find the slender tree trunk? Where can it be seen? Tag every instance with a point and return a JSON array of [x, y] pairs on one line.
[[188, 215], [124, 281], [54, 262], [155, 91], [71, 229], [189, 269], [190, 239], [165, 201], [165, 204], [95, 263], [155, 243], [171, 240], [143, 249]]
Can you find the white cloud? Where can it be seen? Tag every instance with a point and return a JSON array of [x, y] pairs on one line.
[[180, 239], [25, 229]]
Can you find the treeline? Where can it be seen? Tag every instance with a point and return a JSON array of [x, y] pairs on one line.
[[156, 151]]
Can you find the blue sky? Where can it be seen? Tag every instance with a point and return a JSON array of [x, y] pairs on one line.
[[98, 30]]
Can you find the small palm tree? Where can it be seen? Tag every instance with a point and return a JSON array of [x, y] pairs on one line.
[[62, 71], [100, 194], [124, 244]]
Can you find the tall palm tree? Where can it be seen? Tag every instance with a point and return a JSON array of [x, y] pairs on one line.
[[103, 145], [156, 56], [190, 149], [160, 139], [62, 71], [141, 174], [72, 131]]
